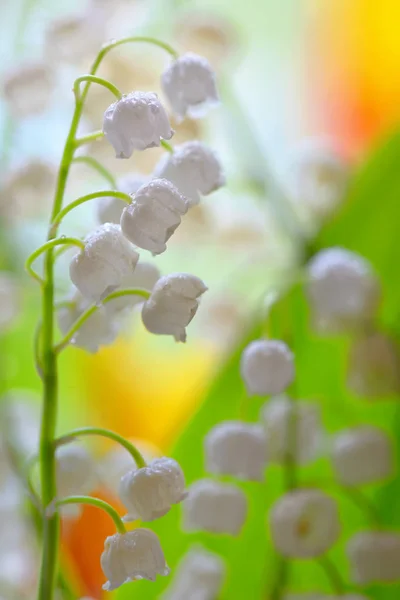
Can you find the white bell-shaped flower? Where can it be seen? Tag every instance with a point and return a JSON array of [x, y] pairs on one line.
[[75, 475], [362, 455], [27, 89], [172, 305], [276, 415], [194, 169], [304, 523], [144, 277], [98, 330], [214, 507], [135, 122], [100, 268], [237, 448], [373, 369], [148, 493], [189, 84], [133, 555], [109, 208], [198, 576], [153, 215], [267, 367], [342, 289], [374, 557]]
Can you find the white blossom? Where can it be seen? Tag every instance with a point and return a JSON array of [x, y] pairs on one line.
[[172, 305], [304, 523], [100, 268], [374, 557], [237, 448], [109, 208], [144, 277], [193, 168], [75, 475], [362, 455], [317, 178], [133, 555], [153, 215], [27, 89], [342, 289], [149, 492], [374, 366], [135, 122], [189, 84], [198, 576], [9, 301], [98, 330], [276, 415], [214, 507], [267, 367]]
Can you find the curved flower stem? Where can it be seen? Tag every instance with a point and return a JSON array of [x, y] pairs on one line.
[[115, 194], [131, 448], [168, 147], [100, 81], [364, 504], [129, 40], [45, 248], [95, 164], [92, 309], [36, 349], [89, 137], [110, 510], [332, 574]]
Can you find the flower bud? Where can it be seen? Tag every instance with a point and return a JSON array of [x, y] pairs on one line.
[[172, 305], [154, 214], [194, 169], [214, 507], [133, 555], [374, 557], [98, 330], [75, 475], [237, 448], [135, 122], [267, 367], [109, 208], [362, 455], [276, 415], [148, 493], [189, 84], [100, 268], [374, 366], [342, 289], [304, 523], [27, 89], [199, 576], [144, 277]]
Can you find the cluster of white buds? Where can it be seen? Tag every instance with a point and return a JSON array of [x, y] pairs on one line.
[[267, 367], [200, 574], [374, 557], [362, 455], [342, 290]]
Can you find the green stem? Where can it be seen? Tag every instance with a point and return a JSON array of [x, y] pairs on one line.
[[90, 137], [167, 146], [92, 309], [332, 574], [95, 164], [133, 451], [45, 248], [110, 510], [100, 81], [115, 194], [364, 504]]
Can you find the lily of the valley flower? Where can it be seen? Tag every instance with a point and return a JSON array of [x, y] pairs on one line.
[[100, 268], [189, 84], [214, 507], [172, 305], [374, 557], [154, 214], [194, 169], [144, 277], [109, 208], [76, 474], [149, 492], [133, 555], [135, 122], [267, 367]]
